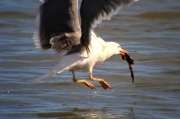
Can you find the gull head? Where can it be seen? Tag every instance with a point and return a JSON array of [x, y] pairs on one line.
[[115, 48]]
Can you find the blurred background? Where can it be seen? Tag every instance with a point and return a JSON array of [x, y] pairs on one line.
[[149, 30]]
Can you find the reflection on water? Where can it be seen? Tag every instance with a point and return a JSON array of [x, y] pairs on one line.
[[149, 30]]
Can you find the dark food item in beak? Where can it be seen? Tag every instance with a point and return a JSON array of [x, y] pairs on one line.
[[130, 62]]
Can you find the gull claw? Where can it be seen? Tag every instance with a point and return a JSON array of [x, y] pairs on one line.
[[89, 85], [105, 85]]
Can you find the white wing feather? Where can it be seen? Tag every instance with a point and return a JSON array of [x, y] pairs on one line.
[[65, 63], [36, 33], [43, 0]]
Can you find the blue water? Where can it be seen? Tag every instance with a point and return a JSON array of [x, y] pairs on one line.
[[149, 30]]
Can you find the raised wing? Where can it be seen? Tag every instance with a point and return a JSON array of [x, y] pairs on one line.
[[57, 25], [43, 0], [94, 11]]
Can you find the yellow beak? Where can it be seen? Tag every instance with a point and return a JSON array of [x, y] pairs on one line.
[[123, 52]]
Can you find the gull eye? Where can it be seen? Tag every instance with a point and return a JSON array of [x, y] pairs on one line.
[[118, 46]]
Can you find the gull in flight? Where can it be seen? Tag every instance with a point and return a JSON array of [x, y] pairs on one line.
[[58, 27]]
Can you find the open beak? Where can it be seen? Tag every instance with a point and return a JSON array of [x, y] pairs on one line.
[[123, 52]]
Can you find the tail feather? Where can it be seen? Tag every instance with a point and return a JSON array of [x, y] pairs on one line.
[[65, 63]]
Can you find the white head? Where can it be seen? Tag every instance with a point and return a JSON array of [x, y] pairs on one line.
[[114, 48]]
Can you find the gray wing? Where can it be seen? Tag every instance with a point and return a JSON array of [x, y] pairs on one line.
[[43, 0], [94, 11], [57, 25]]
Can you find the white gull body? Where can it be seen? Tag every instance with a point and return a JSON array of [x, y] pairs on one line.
[[99, 52], [85, 49]]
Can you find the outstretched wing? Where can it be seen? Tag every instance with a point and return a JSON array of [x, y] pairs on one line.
[[94, 11], [57, 25], [43, 0]]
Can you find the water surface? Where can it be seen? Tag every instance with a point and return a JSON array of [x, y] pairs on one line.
[[149, 30]]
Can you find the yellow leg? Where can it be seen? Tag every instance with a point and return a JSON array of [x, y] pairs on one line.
[[82, 81], [104, 84]]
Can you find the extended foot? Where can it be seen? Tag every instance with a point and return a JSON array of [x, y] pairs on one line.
[[82, 81], [89, 85], [105, 85]]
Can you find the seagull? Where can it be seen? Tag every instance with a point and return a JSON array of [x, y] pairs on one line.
[[58, 28]]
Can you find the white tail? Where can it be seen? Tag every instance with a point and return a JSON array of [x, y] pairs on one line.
[[65, 63]]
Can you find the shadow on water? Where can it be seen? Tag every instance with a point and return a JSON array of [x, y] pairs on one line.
[[78, 113]]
